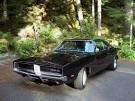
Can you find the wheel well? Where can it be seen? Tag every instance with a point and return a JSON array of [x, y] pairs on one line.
[[87, 70], [116, 57]]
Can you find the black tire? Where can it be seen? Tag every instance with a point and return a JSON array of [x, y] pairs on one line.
[[113, 66], [81, 80]]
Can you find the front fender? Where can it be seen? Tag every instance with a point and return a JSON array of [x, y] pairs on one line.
[[71, 70]]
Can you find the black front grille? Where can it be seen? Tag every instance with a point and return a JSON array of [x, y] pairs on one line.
[[51, 68], [46, 67], [26, 67]]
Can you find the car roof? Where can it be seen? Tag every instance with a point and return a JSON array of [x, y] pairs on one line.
[[96, 39], [78, 40]]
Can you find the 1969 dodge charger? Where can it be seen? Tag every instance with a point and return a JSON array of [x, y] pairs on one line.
[[71, 63]]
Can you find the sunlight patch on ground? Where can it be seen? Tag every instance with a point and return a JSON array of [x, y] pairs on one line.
[[128, 72]]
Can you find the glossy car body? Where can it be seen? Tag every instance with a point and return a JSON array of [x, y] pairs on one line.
[[64, 64]]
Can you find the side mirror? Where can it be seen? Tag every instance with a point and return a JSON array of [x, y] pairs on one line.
[[96, 49]]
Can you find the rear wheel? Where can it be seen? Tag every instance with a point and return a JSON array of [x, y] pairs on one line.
[[81, 80], [113, 66]]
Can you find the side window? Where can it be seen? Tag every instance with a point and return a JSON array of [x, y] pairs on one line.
[[100, 45], [68, 45], [89, 47]]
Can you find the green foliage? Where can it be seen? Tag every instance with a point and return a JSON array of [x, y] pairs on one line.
[[115, 16], [60, 21], [122, 39], [26, 47], [6, 42], [89, 27], [46, 35], [124, 49], [6, 35], [88, 30], [126, 53], [114, 12], [3, 48], [74, 33]]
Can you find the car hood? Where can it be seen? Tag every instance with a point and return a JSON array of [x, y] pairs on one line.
[[54, 58], [62, 59]]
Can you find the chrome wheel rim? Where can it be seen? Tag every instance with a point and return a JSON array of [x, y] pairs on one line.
[[84, 78]]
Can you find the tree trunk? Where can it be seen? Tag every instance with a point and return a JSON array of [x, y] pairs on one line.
[[93, 11], [5, 12], [80, 14], [129, 19], [71, 16], [99, 4], [131, 25], [93, 16]]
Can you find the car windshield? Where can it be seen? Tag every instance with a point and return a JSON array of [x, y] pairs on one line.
[[77, 46]]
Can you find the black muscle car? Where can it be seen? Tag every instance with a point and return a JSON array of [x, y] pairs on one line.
[[71, 62]]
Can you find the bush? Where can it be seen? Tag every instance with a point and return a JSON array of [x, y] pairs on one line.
[[126, 53], [89, 27], [30, 46], [7, 41], [60, 21], [6, 35], [45, 34], [3, 48], [74, 33], [88, 30], [26, 47]]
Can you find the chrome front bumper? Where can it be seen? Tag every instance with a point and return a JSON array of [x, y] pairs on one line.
[[44, 77]]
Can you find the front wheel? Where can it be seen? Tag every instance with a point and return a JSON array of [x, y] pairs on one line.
[[81, 80]]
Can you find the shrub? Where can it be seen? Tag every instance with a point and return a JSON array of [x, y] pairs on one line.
[[6, 42], [6, 35], [26, 47], [74, 33], [45, 34], [89, 27], [126, 53], [60, 21], [3, 48], [88, 30]]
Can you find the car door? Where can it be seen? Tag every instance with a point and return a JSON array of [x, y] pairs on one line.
[[101, 55], [110, 52], [89, 48]]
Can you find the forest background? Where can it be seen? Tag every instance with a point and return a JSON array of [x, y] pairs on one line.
[[34, 27]]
